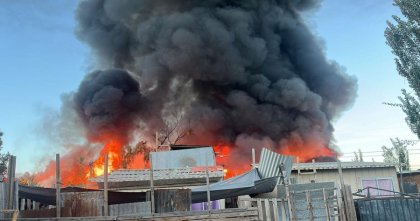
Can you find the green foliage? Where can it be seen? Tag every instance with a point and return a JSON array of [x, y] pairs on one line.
[[358, 156], [3, 157], [403, 37], [397, 154], [411, 107]]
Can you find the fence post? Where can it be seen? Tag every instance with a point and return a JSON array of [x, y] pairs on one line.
[[267, 209], [152, 187], [260, 211], [350, 209], [57, 185], [327, 206], [275, 209], [208, 185], [11, 182], [310, 209], [290, 203], [106, 208]]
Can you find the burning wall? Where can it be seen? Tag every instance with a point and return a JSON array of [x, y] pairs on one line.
[[245, 73]]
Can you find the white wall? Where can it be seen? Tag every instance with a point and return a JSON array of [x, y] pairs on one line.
[[351, 177]]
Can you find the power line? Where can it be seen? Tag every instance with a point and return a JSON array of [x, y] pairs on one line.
[[378, 151]]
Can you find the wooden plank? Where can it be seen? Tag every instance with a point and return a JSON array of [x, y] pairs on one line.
[[230, 215], [267, 209], [11, 182], [283, 210], [106, 207], [275, 210], [260, 210], [351, 211], [327, 207], [58, 185], [309, 208], [171, 200], [152, 187]]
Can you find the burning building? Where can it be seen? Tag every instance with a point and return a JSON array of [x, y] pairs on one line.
[[234, 74]]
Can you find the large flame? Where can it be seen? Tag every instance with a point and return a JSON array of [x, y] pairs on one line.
[[77, 165], [235, 163], [82, 163]]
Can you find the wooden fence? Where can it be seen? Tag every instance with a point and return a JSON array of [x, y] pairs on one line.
[[140, 208], [318, 204], [4, 211], [250, 214]]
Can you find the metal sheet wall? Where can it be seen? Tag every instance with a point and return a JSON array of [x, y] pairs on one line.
[[402, 209], [269, 165]]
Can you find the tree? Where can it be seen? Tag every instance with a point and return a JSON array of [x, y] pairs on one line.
[[403, 37], [28, 179], [176, 127], [397, 154], [358, 156], [3, 157]]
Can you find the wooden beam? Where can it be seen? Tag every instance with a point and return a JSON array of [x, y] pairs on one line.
[[57, 185], [11, 181], [208, 185], [106, 212], [254, 165], [152, 187]]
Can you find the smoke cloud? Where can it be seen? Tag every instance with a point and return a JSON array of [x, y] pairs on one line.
[[235, 69]]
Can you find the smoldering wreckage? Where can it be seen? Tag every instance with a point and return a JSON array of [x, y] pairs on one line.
[[224, 76]]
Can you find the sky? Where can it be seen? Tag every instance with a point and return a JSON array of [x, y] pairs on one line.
[[41, 60]]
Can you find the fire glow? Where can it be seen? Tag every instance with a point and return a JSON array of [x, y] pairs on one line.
[[77, 172]]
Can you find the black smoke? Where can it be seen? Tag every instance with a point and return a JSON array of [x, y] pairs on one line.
[[108, 103], [238, 70]]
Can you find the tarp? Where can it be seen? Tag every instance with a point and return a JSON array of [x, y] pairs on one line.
[[47, 195], [249, 183]]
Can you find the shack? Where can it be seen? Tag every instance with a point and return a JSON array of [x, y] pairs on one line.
[[359, 175]]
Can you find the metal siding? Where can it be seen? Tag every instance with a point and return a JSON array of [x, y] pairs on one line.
[[2, 198], [270, 162], [344, 165], [161, 174], [403, 209], [140, 208], [183, 158]]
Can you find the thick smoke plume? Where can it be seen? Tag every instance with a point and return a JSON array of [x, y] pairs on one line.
[[240, 72], [107, 103]]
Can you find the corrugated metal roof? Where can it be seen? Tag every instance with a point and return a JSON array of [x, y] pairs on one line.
[[161, 174], [344, 165], [183, 158], [269, 164]]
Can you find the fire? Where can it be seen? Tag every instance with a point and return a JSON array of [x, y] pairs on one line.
[[235, 163], [308, 153], [77, 165], [114, 150], [225, 156]]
